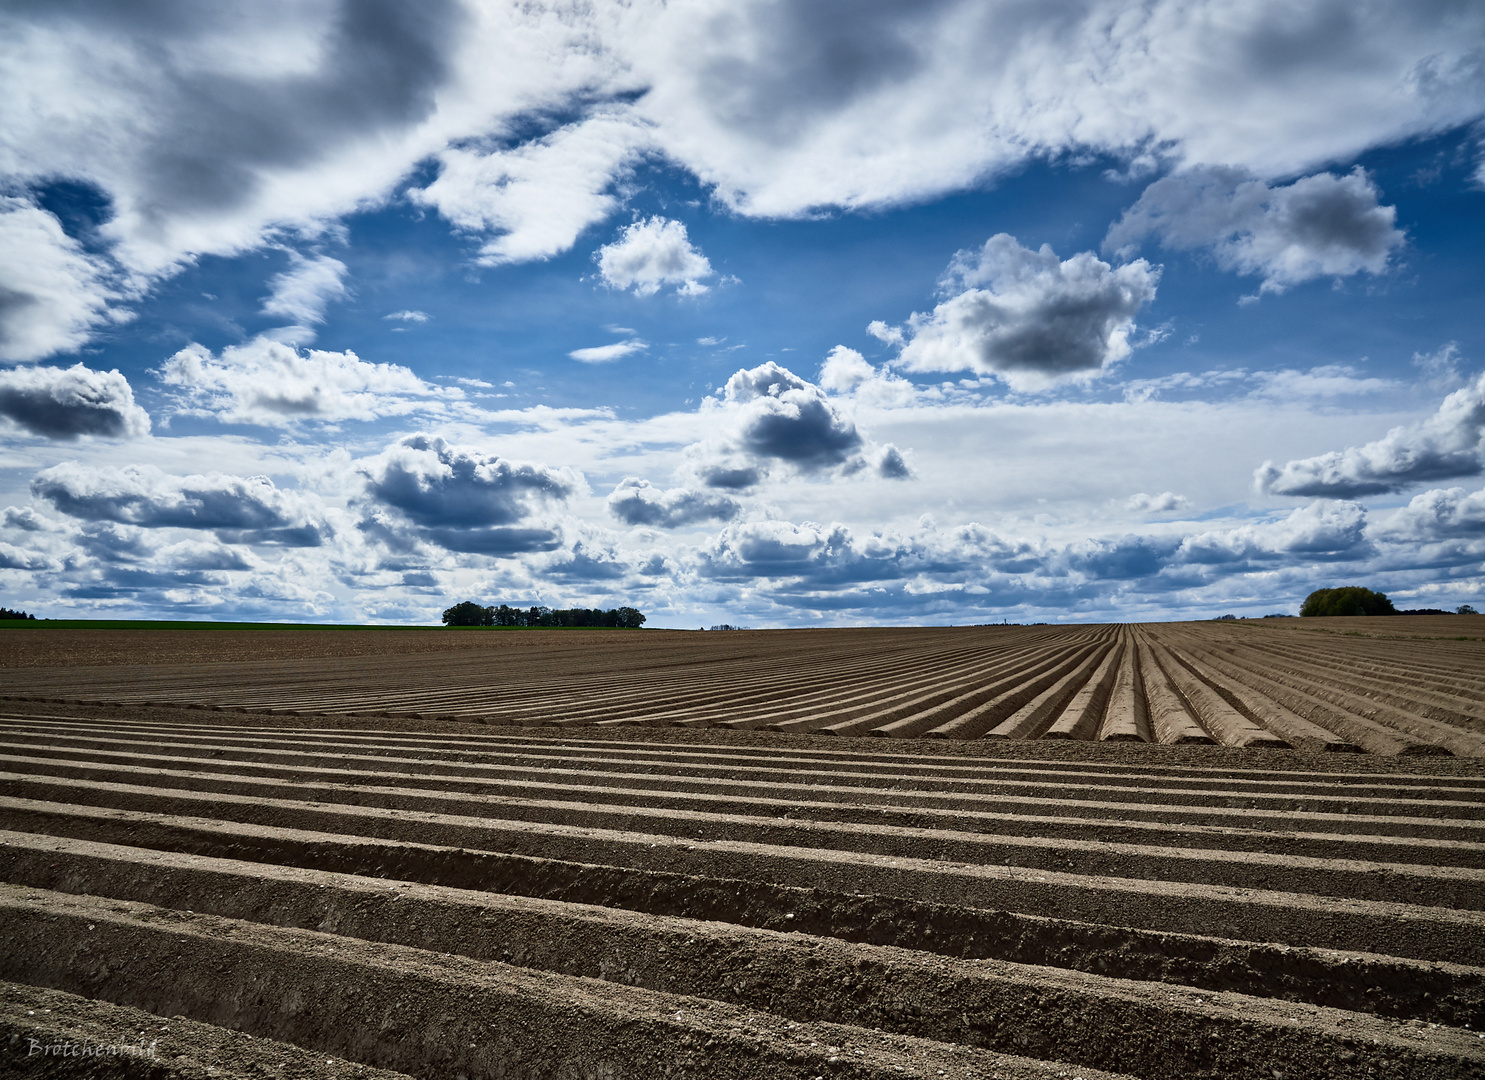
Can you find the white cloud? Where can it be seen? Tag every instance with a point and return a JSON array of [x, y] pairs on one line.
[[1440, 367], [844, 370], [651, 254], [52, 293], [217, 130], [788, 107], [1163, 503], [537, 197], [408, 316], [1318, 226], [1325, 382], [1441, 514], [275, 384], [1038, 319], [63, 403], [888, 335], [1444, 446], [639, 502], [603, 354], [1323, 530], [303, 291]]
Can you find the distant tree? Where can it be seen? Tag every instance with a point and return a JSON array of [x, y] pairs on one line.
[[471, 614], [1465, 609], [8, 613], [468, 614], [1350, 600]]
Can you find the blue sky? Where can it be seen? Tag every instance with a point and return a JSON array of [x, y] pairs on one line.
[[765, 313]]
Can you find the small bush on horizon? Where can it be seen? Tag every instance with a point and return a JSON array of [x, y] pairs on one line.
[[1348, 600]]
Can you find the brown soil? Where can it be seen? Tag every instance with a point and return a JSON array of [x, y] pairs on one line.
[[274, 893], [1314, 685]]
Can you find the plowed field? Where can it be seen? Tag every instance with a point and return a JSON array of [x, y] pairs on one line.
[[657, 867], [1270, 683]]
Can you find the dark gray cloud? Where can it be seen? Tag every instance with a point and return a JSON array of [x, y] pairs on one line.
[[891, 464], [499, 541], [822, 56], [437, 484], [240, 509], [825, 556], [465, 500], [639, 502], [1026, 315], [786, 418], [1446, 446], [1120, 559], [65, 403], [1319, 226], [730, 477], [18, 558], [587, 563], [213, 129]]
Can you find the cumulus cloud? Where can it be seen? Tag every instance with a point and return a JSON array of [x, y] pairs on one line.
[[407, 316], [890, 464], [239, 509], [729, 476], [823, 554], [276, 384], [844, 370], [1441, 514], [1163, 503], [785, 418], [537, 197], [463, 499], [53, 294], [639, 502], [64, 403], [1444, 446], [1325, 530], [303, 291], [603, 354], [1318, 226], [651, 254], [1027, 316]]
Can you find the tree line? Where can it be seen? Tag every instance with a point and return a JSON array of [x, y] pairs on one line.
[[8, 613], [1354, 600], [471, 614]]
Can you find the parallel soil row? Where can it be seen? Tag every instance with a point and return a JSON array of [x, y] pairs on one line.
[[1313, 685], [191, 893]]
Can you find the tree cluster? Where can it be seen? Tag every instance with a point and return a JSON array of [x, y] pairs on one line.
[[7, 613], [1350, 600], [471, 614]]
